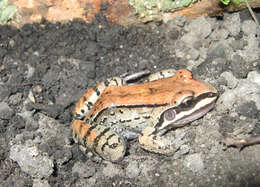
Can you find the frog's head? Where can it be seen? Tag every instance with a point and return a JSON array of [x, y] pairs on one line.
[[192, 101]]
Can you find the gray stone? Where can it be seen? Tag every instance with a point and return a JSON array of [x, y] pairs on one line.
[[112, 170], [184, 149], [238, 44], [40, 183], [179, 138], [226, 101], [5, 111], [132, 170], [239, 66], [91, 49], [190, 39], [254, 76], [62, 156], [219, 34], [49, 77], [251, 51], [2, 52], [249, 56], [90, 182], [4, 92], [253, 42], [193, 54], [177, 21], [211, 67], [232, 23], [30, 71], [249, 110], [249, 27], [83, 170], [245, 91], [231, 80], [16, 98], [200, 27], [88, 67], [217, 50], [194, 162], [49, 127], [147, 167], [32, 161]]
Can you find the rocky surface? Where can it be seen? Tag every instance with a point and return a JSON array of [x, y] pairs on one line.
[[45, 68]]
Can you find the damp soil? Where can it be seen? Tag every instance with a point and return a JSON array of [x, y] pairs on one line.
[[46, 67]]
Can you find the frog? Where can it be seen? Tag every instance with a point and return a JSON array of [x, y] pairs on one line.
[[113, 112]]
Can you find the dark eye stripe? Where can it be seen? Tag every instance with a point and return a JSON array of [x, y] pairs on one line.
[[183, 107]]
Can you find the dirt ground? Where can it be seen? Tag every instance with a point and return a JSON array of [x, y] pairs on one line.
[[45, 68]]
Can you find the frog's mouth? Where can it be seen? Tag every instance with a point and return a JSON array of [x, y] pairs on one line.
[[180, 115]]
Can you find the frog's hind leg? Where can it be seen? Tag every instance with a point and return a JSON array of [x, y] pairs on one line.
[[100, 140], [161, 74], [87, 101], [153, 142]]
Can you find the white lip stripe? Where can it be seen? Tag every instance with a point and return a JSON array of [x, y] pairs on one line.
[[199, 105]]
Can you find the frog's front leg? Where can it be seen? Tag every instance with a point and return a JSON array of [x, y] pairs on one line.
[[100, 139], [151, 141]]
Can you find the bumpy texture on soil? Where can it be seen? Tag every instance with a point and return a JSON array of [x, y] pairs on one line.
[[45, 68]]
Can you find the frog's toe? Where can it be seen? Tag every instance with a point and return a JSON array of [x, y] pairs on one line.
[[111, 148], [155, 143]]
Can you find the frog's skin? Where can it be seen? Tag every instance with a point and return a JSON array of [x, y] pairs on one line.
[[112, 112]]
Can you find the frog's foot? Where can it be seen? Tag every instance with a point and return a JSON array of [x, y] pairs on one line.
[[87, 101], [155, 143], [100, 139], [161, 74]]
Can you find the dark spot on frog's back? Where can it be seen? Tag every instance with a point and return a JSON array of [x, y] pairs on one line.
[[99, 105], [152, 90], [125, 95], [107, 92]]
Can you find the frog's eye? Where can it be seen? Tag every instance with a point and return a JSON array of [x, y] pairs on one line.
[[187, 101], [169, 115]]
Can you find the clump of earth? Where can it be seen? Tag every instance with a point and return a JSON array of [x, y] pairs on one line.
[[45, 68]]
